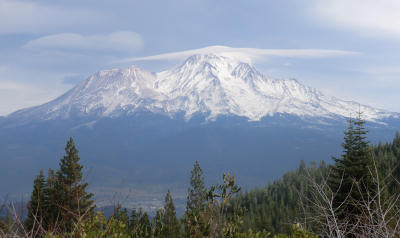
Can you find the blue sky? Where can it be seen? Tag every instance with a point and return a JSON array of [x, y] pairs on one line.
[[346, 48]]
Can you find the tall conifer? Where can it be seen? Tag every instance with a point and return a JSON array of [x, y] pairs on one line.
[[351, 177], [197, 193], [53, 210], [196, 203], [72, 199], [144, 228], [170, 222], [158, 224]]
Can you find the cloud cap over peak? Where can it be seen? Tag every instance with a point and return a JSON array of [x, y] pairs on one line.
[[248, 55]]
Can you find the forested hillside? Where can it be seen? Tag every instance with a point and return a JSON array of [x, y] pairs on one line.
[[289, 199], [281, 203]]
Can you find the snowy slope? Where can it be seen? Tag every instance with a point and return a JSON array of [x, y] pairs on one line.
[[211, 85]]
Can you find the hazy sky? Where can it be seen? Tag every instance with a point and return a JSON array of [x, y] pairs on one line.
[[346, 48]]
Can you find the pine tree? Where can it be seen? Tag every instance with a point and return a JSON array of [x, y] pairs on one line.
[[133, 221], [196, 202], [121, 215], [52, 211], [395, 152], [197, 194], [351, 177], [37, 204], [144, 226], [139, 224], [158, 224], [72, 199], [171, 224]]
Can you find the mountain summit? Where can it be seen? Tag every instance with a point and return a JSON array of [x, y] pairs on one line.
[[210, 85]]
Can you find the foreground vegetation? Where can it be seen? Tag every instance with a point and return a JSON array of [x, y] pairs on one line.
[[357, 196]]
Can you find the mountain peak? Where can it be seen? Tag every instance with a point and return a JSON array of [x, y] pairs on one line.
[[212, 57], [209, 61], [214, 65]]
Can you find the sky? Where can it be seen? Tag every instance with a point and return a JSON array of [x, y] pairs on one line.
[[345, 48]]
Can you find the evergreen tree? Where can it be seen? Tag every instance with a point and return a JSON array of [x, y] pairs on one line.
[[197, 194], [37, 204], [196, 202], [158, 224], [171, 224], [144, 227], [72, 199], [351, 177], [394, 153], [133, 221], [121, 215], [139, 224], [52, 211]]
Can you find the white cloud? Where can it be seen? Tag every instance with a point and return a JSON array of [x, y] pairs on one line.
[[370, 17], [122, 41], [5, 85], [29, 17], [16, 95], [21, 87], [245, 54], [382, 70]]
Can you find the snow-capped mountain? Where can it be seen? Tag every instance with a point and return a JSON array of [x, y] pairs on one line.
[[145, 129], [210, 85]]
